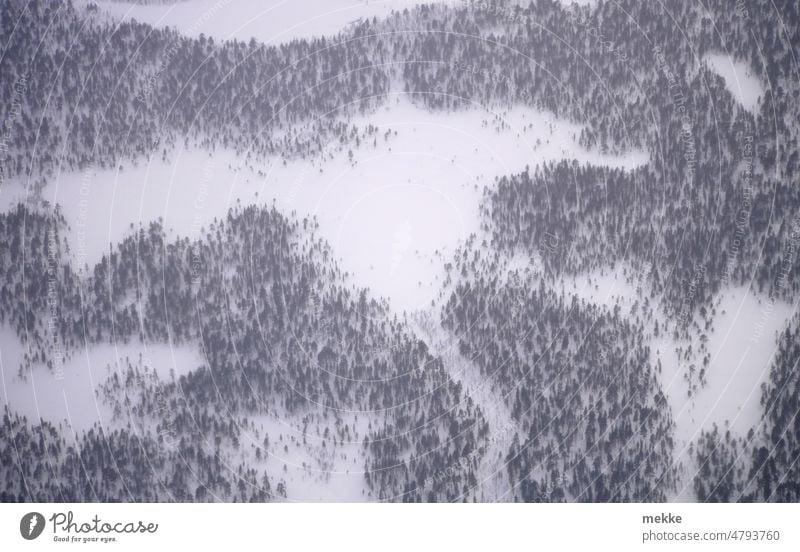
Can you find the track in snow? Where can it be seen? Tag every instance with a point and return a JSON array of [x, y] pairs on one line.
[[493, 483]]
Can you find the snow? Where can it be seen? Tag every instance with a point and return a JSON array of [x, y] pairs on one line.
[[492, 479], [267, 21], [605, 287], [312, 472], [68, 395], [398, 212], [392, 214], [739, 79], [742, 342], [742, 347], [68, 399]]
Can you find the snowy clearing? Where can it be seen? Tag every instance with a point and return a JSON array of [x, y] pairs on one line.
[[68, 394], [739, 78], [392, 213], [741, 344], [313, 468], [268, 21]]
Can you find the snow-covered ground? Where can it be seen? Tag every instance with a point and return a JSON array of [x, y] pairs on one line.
[[67, 395], [313, 467], [742, 347], [741, 343], [739, 78], [392, 213], [492, 475], [268, 21]]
